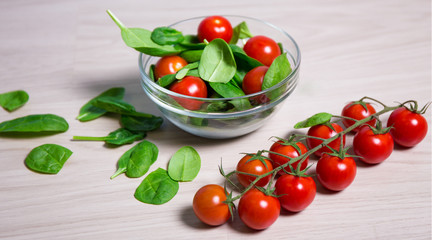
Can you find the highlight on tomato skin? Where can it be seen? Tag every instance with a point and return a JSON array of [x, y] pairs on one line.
[[190, 86], [208, 205], [263, 49], [372, 148], [408, 128], [334, 173]]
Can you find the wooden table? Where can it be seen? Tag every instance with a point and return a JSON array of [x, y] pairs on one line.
[[65, 52]]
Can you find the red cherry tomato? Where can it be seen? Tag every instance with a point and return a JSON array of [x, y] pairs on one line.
[[168, 65], [257, 210], [409, 128], [323, 131], [215, 27], [297, 193], [253, 167], [357, 111], [373, 148], [252, 81], [287, 150], [190, 86], [263, 49], [334, 173], [209, 207]]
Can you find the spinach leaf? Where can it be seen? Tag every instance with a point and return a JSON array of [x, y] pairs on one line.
[[319, 118], [89, 112], [157, 188], [229, 90], [114, 105], [141, 124], [35, 123], [166, 36], [241, 31], [244, 62], [123, 162], [166, 80], [278, 71], [191, 55], [217, 62], [47, 158], [13, 100], [183, 72], [184, 164], [118, 137], [144, 155], [151, 72], [191, 42], [140, 40]]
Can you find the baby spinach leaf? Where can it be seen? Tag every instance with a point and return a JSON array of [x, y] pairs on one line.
[[123, 162], [184, 164], [183, 72], [13, 100], [144, 155], [217, 62], [157, 188], [35, 123], [141, 124], [47, 158], [166, 80], [191, 55], [191, 42], [166, 36], [278, 71], [319, 118], [89, 112], [118, 137], [114, 105], [244, 62], [241, 31], [140, 40], [151, 72], [219, 107], [229, 90]]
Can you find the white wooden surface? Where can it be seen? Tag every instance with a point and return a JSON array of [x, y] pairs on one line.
[[65, 52]]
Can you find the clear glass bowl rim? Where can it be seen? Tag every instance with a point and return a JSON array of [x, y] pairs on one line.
[[147, 80]]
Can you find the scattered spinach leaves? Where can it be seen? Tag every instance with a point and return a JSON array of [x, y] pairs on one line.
[[184, 164], [13, 100], [157, 188], [89, 111], [141, 124], [36, 123], [118, 137], [47, 158], [144, 155]]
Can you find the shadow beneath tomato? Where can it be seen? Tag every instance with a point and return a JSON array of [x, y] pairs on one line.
[[189, 218], [320, 188], [239, 226], [287, 213]]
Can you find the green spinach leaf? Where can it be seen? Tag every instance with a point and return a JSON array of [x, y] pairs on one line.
[[157, 188], [241, 31], [47, 158], [191, 55], [123, 162], [144, 155], [141, 124], [114, 105], [183, 72], [184, 164], [118, 137], [244, 62], [319, 118], [191, 42], [217, 62], [230, 90], [278, 71], [89, 112], [35, 123], [166, 80], [166, 36], [13, 100]]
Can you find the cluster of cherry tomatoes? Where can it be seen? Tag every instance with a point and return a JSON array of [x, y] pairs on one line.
[[259, 206], [261, 48]]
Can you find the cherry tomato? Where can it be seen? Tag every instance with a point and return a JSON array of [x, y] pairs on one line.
[[409, 128], [209, 207], [357, 111], [297, 193], [334, 173], [190, 86], [287, 150], [168, 65], [263, 49], [253, 167], [324, 131], [252, 81], [257, 210], [215, 27], [373, 148]]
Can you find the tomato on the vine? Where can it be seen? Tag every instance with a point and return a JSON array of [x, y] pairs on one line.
[[295, 192], [359, 111], [408, 128], [168, 65], [288, 150], [190, 86], [215, 27], [208, 205], [263, 49], [372, 147], [335, 173], [253, 166], [325, 132], [258, 210]]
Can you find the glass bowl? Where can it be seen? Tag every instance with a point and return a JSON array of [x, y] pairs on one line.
[[220, 118]]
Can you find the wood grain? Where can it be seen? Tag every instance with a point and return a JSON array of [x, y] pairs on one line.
[[65, 52]]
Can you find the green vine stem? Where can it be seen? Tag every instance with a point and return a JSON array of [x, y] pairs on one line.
[[302, 157]]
